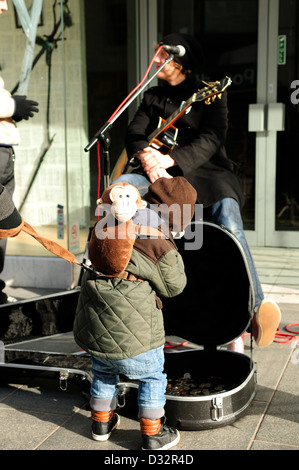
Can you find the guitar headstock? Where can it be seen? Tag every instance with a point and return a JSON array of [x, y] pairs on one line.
[[212, 90]]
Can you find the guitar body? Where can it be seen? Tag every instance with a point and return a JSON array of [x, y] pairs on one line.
[[165, 141]]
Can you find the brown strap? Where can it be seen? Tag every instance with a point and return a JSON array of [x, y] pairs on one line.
[[123, 275], [158, 302], [11, 232], [51, 246], [61, 252], [132, 277]]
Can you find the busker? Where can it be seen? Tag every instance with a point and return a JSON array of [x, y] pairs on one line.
[[199, 155], [119, 319]]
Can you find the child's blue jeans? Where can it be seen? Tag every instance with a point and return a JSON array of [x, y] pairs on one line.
[[147, 368]]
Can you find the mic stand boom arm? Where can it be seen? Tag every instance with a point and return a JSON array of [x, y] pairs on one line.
[[103, 133]]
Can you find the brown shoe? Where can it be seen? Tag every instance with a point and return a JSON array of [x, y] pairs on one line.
[[265, 322]]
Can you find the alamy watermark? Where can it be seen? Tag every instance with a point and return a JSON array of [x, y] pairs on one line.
[[295, 355], [174, 219], [295, 94]]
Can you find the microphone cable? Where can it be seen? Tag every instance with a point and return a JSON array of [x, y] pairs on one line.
[[99, 176], [137, 86], [286, 337]]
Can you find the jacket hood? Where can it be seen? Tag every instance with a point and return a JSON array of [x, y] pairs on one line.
[[175, 198]]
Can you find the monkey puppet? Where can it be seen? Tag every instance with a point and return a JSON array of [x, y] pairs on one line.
[[113, 237]]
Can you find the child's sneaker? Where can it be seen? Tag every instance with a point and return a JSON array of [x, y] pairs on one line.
[[265, 322], [164, 438], [101, 430]]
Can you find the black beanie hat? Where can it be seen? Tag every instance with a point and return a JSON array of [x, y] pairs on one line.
[[9, 216], [193, 59]]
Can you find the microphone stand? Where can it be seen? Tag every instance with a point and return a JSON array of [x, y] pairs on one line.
[[103, 136], [103, 133]]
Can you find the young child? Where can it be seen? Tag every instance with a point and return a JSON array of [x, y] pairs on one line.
[[119, 320]]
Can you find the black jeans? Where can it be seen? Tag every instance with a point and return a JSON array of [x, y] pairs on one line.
[[7, 179]]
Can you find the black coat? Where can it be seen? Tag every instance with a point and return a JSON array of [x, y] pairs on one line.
[[201, 156]]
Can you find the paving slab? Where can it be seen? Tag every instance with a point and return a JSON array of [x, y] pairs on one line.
[[36, 415]]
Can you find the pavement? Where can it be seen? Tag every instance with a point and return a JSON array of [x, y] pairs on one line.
[[36, 414]]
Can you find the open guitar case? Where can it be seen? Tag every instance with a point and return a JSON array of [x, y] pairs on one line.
[[210, 385]]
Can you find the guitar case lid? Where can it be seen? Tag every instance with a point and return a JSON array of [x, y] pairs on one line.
[[217, 303]]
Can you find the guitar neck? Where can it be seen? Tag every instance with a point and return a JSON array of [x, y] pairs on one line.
[[172, 118], [206, 94]]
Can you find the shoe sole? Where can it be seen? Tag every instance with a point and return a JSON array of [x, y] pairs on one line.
[[105, 437], [169, 445], [268, 318]]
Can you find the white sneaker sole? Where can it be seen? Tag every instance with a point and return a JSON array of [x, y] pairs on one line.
[[105, 437], [169, 445]]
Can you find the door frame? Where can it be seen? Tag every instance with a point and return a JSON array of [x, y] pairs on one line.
[[265, 140], [273, 237]]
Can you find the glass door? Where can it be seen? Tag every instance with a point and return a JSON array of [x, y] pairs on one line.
[[274, 118], [256, 43]]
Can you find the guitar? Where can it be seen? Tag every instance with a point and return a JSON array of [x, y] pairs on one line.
[[164, 137]]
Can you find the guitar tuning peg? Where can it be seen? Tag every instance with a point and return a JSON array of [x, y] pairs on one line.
[[219, 96], [208, 101], [213, 98]]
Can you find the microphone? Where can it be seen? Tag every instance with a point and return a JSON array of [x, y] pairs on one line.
[[180, 51]]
